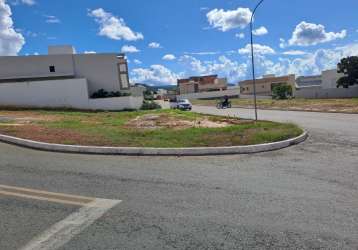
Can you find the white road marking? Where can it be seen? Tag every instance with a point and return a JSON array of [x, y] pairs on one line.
[[63, 231]]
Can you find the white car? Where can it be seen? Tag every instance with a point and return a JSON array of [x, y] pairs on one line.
[[182, 104]]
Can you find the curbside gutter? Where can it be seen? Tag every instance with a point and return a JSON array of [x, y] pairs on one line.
[[153, 151]]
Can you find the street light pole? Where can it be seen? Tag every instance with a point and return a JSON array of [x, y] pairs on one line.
[[252, 56]]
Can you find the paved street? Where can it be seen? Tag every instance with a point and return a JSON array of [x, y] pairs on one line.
[[302, 197]]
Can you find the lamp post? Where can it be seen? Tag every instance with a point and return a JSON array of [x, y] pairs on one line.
[[252, 56]]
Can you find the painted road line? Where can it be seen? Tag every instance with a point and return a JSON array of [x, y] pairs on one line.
[[45, 196], [63, 231]]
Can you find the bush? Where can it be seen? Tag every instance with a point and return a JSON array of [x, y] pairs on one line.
[[101, 93], [282, 92], [150, 105]]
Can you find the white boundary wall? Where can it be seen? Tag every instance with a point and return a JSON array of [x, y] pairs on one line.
[[71, 93], [314, 93]]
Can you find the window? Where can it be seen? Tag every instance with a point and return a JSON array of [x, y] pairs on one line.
[[52, 69], [123, 68]]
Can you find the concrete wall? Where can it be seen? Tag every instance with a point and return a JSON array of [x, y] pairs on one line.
[[100, 70], [72, 93], [317, 93], [330, 78], [211, 95], [14, 67]]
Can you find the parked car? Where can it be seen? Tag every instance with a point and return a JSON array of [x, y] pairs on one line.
[[182, 104]]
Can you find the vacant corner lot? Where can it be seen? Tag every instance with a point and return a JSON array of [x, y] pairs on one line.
[[162, 128], [317, 105]]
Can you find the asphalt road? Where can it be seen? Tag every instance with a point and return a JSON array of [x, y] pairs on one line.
[[303, 197]]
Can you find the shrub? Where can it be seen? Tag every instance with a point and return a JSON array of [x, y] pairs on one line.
[[150, 105], [282, 92], [101, 93]]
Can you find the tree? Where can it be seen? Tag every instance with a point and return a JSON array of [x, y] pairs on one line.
[[349, 67], [281, 92]]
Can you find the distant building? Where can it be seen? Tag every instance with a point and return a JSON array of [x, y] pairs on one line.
[[198, 84], [309, 81], [265, 84], [327, 80], [330, 78]]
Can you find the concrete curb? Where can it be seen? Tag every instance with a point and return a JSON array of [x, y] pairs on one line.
[[153, 151]]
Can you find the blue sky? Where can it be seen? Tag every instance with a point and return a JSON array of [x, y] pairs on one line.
[[165, 40]]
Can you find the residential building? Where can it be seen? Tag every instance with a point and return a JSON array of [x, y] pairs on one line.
[[330, 78], [198, 84], [309, 81], [265, 84], [59, 75]]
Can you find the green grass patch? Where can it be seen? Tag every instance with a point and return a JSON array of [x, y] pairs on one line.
[[117, 129]]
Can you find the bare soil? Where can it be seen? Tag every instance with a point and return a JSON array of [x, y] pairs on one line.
[[153, 121]]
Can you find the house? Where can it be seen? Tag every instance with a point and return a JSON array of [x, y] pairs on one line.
[[198, 84], [65, 79], [265, 84], [323, 86]]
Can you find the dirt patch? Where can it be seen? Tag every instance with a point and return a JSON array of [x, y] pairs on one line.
[[154, 121], [43, 134]]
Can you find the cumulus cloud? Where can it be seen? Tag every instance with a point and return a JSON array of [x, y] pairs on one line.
[[240, 35], [26, 2], [258, 49], [231, 19], [309, 64], [202, 53], [223, 67], [306, 34], [260, 31], [294, 53], [114, 27], [154, 45], [129, 49], [155, 74], [136, 61], [11, 42], [52, 19], [169, 57]]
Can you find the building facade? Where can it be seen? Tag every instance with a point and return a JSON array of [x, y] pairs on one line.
[[309, 81], [198, 84], [102, 71], [52, 75], [265, 84]]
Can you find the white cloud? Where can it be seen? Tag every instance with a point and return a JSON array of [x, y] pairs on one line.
[[294, 53], [11, 42], [136, 61], [129, 49], [240, 35], [223, 67], [155, 74], [202, 53], [282, 43], [169, 57], [231, 19], [114, 27], [260, 31], [26, 2], [52, 19], [154, 45], [306, 34], [309, 64], [90, 52], [258, 49]]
